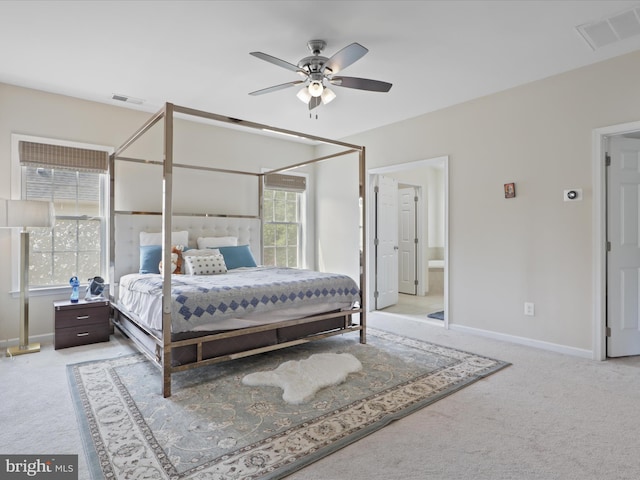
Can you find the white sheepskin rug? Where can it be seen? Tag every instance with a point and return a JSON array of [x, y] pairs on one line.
[[301, 379]]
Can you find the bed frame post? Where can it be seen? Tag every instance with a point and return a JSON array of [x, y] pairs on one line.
[[167, 214], [261, 214], [363, 256], [112, 228]]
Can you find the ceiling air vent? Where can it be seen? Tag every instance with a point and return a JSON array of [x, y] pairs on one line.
[[127, 99], [612, 29]]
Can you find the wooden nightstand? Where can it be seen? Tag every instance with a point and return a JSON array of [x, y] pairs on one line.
[[81, 323]]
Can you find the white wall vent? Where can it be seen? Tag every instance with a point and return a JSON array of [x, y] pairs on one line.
[[127, 99], [612, 29]]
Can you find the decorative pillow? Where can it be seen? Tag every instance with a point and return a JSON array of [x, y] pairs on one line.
[[177, 238], [205, 264], [193, 252], [150, 256], [176, 260], [238, 256], [214, 242]]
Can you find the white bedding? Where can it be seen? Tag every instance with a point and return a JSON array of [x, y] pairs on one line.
[[241, 298]]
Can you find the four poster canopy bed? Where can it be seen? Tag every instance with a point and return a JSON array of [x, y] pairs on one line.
[[221, 304]]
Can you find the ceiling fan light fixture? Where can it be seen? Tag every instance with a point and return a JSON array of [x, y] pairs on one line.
[[327, 96], [315, 88], [304, 95]]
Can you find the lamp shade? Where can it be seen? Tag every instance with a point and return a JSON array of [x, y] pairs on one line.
[[315, 88], [26, 213], [304, 95], [327, 96]]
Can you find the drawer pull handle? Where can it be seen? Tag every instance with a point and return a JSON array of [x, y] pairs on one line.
[[82, 334], [83, 317]]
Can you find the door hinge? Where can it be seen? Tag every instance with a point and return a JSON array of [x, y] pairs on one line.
[[376, 189], [415, 240], [607, 160], [608, 246], [415, 199], [415, 282], [376, 294], [376, 241], [607, 331]]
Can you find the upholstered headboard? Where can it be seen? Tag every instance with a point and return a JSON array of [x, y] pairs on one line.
[[128, 228]]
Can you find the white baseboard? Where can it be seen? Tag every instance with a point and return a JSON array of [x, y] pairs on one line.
[[553, 347], [43, 339]]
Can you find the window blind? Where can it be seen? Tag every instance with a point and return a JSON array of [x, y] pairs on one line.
[[57, 156], [292, 183]]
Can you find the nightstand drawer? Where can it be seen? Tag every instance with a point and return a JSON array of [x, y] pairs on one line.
[[81, 335], [81, 323], [71, 317]]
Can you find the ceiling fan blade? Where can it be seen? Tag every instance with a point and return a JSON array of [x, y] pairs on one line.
[[361, 84], [314, 102], [278, 62], [275, 88], [345, 57]]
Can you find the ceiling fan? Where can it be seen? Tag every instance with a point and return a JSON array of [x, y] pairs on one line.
[[319, 72]]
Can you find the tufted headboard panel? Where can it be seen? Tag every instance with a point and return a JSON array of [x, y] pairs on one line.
[[128, 228]]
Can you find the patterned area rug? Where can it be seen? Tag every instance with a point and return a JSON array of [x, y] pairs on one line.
[[213, 427]]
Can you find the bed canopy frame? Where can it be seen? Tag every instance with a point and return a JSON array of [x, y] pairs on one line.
[[161, 356]]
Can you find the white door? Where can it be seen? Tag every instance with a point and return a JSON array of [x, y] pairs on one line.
[[387, 240], [623, 260], [407, 241]]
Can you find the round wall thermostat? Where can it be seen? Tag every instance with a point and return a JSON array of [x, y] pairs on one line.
[[572, 194]]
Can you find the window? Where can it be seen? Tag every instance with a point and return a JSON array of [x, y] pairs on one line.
[[75, 180], [283, 220]]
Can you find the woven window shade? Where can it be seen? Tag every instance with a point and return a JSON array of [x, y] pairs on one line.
[[58, 156], [292, 183]]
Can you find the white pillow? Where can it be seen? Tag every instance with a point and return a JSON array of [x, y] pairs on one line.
[[205, 264], [195, 252], [177, 238], [213, 242]]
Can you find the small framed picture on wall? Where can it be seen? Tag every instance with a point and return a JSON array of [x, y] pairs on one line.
[[509, 190]]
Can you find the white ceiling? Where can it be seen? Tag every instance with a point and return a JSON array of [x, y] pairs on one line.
[[196, 54]]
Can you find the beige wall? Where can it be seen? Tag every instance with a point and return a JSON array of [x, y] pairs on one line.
[[535, 247], [31, 112]]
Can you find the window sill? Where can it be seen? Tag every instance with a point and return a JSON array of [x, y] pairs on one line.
[[53, 291]]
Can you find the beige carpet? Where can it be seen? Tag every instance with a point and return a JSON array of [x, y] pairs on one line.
[[548, 416]]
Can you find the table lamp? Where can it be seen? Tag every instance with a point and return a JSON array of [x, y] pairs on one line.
[[25, 213]]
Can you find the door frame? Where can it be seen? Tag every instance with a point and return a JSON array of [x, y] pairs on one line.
[[371, 173], [599, 254]]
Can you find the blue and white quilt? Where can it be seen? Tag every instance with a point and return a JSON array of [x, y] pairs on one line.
[[204, 301]]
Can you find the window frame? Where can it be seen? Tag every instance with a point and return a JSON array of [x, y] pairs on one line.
[[16, 194], [302, 221]]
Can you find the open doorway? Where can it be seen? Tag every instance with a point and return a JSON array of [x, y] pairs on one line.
[[408, 240], [616, 184]]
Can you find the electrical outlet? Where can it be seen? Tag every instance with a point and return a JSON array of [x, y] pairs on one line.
[[529, 309]]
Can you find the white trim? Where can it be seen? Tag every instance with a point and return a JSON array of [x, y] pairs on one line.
[[552, 347], [599, 137], [436, 161], [44, 339]]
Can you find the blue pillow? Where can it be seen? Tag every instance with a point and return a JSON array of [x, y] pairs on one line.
[[236, 257], [150, 256]]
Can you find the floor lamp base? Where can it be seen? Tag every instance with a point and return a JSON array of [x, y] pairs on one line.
[[22, 349]]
